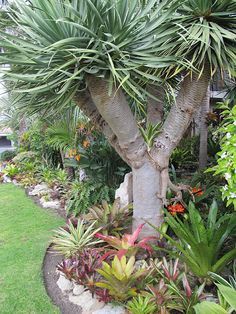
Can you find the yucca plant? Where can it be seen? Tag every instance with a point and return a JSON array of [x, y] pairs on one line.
[[110, 218], [71, 240], [120, 278], [200, 244]]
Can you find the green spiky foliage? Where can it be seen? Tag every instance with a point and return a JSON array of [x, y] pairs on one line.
[[60, 42], [209, 28]]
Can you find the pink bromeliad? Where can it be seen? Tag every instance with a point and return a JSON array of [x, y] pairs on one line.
[[127, 244]]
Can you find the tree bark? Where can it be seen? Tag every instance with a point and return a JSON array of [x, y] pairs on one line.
[[204, 131], [115, 110], [155, 106], [147, 204]]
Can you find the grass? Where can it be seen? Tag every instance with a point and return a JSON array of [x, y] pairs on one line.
[[25, 231]]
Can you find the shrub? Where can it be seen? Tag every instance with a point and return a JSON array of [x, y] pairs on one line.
[[85, 194], [7, 155]]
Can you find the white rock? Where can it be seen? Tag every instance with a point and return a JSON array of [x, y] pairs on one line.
[[64, 284], [87, 302], [39, 189], [50, 204], [110, 309], [6, 179], [78, 289], [125, 191]]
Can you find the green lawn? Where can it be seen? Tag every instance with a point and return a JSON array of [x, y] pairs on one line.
[[25, 230]]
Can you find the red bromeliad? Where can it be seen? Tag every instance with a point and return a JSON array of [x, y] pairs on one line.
[[127, 244]]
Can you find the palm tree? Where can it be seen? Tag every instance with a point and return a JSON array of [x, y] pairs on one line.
[[101, 53]]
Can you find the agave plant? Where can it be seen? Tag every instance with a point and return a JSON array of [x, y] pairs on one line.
[[128, 243], [120, 278], [72, 240], [111, 218]]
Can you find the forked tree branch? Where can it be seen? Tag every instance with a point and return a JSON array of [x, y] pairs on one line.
[[115, 110]]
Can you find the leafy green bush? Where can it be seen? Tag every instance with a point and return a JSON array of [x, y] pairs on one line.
[[22, 157], [7, 155], [85, 194], [226, 163], [102, 163]]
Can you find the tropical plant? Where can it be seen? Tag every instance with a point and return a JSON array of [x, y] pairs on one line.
[[171, 290], [201, 243], [120, 278], [11, 170], [150, 133], [83, 195], [71, 240], [82, 269], [128, 244], [227, 297], [99, 53], [226, 163], [110, 218], [141, 304], [24, 157], [7, 155], [101, 162], [61, 176]]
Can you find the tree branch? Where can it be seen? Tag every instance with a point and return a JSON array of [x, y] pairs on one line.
[[85, 103], [193, 90], [115, 110]]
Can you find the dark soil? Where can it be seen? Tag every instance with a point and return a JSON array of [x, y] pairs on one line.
[[50, 280]]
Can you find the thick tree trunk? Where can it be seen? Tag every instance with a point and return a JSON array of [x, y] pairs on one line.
[[204, 131], [147, 205]]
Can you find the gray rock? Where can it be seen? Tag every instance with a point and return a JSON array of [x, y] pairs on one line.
[[125, 191], [87, 302], [78, 289], [39, 189], [50, 204], [64, 284], [6, 179], [110, 309]]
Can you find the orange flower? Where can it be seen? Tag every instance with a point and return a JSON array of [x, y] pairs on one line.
[[77, 157], [176, 208], [197, 191], [86, 143], [72, 152]]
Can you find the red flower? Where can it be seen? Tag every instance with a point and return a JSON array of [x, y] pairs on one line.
[[176, 208], [197, 191]]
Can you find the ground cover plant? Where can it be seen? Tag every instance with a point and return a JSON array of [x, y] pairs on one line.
[[25, 233]]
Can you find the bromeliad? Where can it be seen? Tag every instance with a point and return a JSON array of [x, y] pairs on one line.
[[128, 244]]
